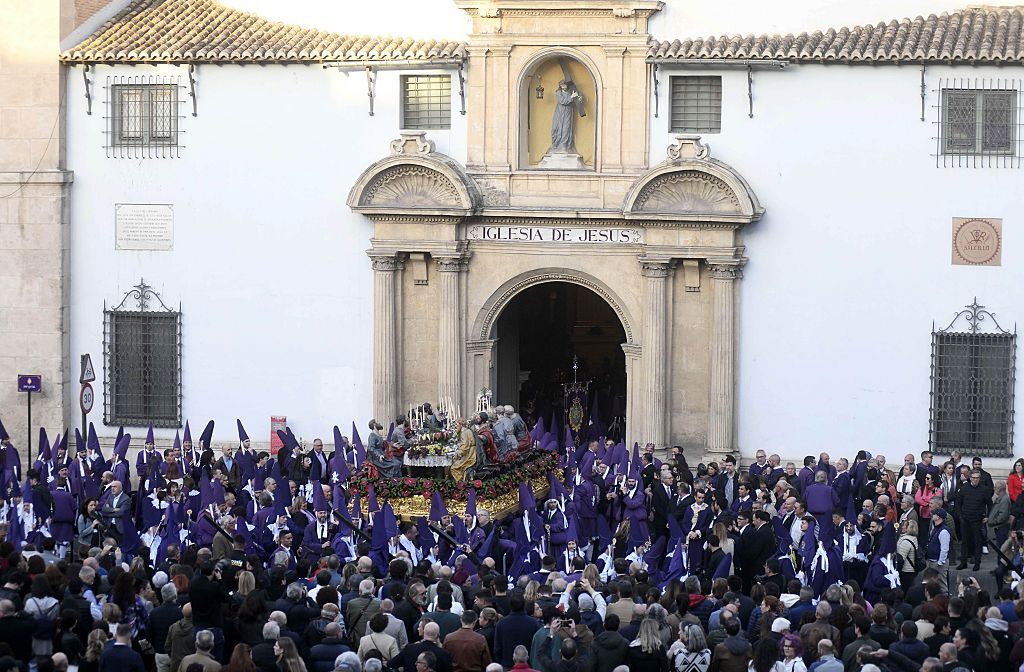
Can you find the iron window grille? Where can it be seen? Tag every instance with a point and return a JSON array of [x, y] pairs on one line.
[[972, 381], [142, 361], [143, 119], [978, 123], [695, 104], [426, 102]]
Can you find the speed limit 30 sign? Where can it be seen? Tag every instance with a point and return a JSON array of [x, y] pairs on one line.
[[86, 398]]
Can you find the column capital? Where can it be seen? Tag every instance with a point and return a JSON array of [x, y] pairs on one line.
[[657, 268], [451, 264], [731, 269], [385, 264]]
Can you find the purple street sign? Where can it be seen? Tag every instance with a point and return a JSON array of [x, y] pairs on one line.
[[30, 383]]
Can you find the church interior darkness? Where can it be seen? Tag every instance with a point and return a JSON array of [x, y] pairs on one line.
[[540, 332]]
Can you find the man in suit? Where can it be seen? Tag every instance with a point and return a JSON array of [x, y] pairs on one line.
[[319, 463], [842, 483], [120, 656], [766, 537], [746, 549], [116, 508], [665, 503]]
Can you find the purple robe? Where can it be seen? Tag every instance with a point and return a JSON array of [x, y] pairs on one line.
[[62, 525], [585, 498], [636, 512]]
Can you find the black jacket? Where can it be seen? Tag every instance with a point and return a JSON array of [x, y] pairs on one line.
[[160, 621], [207, 598], [974, 503], [263, 656], [607, 652], [322, 656]]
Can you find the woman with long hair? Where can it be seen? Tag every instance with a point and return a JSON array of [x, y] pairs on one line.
[[725, 542], [923, 498], [90, 662], [241, 660], [771, 608], [690, 653], [250, 618], [126, 596], [907, 547], [45, 609], [765, 656], [1015, 481], [288, 659], [646, 652], [87, 525]]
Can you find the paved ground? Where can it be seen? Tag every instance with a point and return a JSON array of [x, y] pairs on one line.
[[984, 576]]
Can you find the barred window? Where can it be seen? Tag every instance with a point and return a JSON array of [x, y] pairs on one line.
[[144, 114], [978, 121], [696, 105], [973, 375], [426, 102], [142, 362]]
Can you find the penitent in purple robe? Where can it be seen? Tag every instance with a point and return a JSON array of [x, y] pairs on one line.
[[636, 513], [62, 527]]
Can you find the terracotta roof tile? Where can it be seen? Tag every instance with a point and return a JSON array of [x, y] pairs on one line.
[[207, 31], [973, 35]]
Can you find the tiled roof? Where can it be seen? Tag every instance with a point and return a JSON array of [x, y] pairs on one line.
[[973, 35], [200, 31]]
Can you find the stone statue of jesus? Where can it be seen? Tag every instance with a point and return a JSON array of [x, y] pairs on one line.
[[568, 103]]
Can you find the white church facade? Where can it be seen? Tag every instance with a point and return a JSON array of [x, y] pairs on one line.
[[765, 242]]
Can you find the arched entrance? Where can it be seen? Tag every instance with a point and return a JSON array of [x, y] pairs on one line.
[[539, 333]]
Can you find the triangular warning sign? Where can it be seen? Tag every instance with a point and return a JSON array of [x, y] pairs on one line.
[[88, 373]]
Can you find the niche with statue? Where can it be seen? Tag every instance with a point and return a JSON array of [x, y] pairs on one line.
[[559, 115]]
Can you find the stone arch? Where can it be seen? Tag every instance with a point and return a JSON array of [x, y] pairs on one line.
[[691, 186], [415, 180], [483, 327]]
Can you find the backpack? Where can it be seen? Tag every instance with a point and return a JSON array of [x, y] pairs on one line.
[[901, 564]]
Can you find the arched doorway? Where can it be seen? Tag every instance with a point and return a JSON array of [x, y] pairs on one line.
[[540, 332]]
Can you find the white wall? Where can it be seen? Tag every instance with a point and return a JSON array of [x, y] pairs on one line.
[[269, 263], [851, 263]]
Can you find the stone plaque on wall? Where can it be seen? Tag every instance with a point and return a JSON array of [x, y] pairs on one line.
[[977, 241], [143, 226]]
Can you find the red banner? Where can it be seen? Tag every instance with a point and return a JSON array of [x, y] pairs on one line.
[[276, 422]]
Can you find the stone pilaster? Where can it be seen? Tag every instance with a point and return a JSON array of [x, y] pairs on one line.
[[385, 336], [654, 392], [722, 402], [449, 341]]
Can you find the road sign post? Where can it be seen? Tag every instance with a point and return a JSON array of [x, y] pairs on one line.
[[86, 397], [29, 383]]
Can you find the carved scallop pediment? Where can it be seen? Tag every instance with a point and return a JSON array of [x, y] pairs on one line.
[[411, 186], [687, 191]]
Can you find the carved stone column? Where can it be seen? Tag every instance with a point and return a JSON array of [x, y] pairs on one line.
[[722, 402], [654, 395], [449, 341], [385, 335]]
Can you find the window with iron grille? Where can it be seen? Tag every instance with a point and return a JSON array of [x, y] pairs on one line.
[[426, 102], [973, 374], [978, 123], [696, 105], [144, 114], [142, 361]]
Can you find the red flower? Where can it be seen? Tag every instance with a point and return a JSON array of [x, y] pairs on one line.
[[410, 481], [426, 493], [478, 483], [427, 483]]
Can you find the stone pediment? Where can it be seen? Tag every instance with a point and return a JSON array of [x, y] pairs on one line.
[[690, 186], [414, 180]]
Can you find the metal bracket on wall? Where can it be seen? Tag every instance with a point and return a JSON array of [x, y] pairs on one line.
[[654, 74], [924, 91], [192, 87], [750, 91], [88, 89], [371, 86], [462, 88]]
